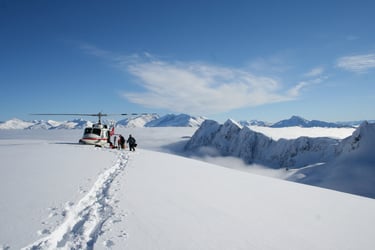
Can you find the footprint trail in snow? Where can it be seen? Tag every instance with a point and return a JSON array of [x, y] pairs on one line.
[[84, 221]]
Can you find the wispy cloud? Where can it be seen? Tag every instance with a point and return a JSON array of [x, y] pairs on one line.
[[195, 87], [314, 76], [357, 63], [315, 72], [95, 51], [202, 88], [295, 91]]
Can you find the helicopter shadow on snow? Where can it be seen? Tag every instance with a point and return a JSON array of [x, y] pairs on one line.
[[77, 144], [66, 143]]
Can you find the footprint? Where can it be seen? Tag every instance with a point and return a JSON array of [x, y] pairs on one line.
[[69, 204], [108, 243], [114, 221], [43, 232], [82, 190], [123, 234], [52, 214]]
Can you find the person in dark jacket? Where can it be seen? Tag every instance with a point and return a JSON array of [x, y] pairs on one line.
[[121, 142], [132, 143]]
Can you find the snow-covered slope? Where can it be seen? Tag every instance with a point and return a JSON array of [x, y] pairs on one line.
[[59, 195], [178, 203], [353, 170]]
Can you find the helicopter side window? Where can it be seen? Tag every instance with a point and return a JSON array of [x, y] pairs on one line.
[[97, 131], [88, 130]]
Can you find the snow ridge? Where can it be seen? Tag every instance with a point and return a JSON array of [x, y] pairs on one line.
[[84, 222], [230, 139], [172, 120]]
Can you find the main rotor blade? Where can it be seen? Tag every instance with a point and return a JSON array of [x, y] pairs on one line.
[[99, 114], [138, 114]]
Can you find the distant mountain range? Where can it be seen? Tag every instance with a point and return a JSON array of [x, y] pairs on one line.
[[169, 120], [42, 124], [151, 120], [297, 121]]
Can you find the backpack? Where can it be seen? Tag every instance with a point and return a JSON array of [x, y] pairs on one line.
[[131, 140]]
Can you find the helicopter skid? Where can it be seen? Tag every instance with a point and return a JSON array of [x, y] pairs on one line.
[[95, 142]]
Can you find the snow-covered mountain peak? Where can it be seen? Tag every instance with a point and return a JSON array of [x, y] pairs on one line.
[[366, 128], [229, 128], [293, 121], [363, 136], [297, 118], [231, 122]]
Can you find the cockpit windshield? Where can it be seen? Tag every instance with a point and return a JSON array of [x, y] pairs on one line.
[[97, 131], [88, 131]]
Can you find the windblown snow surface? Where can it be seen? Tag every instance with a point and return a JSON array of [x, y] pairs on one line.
[[57, 194]]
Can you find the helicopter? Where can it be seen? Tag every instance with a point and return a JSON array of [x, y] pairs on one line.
[[98, 134]]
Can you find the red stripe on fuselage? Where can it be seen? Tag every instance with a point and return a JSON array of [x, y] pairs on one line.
[[94, 139]]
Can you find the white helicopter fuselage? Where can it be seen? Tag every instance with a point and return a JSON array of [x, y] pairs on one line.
[[98, 134]]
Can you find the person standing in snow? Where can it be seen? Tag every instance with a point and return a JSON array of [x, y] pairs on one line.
[[121, 142], [115, 142], [132, 143]]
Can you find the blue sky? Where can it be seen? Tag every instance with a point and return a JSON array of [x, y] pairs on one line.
[[265, 60]]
